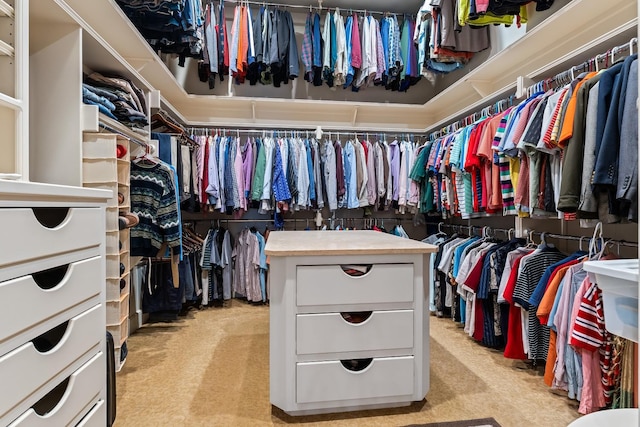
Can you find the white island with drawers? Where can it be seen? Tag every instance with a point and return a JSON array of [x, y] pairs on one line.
[[349, 320]]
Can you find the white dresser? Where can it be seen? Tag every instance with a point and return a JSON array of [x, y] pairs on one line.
[[52, 308], [341, 341]]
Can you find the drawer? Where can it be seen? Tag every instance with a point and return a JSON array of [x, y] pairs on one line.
[[97, 417], [31, 300], [29, 234], [332, 381], [71, 399], [337, 332], [330, 285], [35, 363]]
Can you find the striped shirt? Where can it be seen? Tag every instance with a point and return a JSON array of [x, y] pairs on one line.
[[528, 279], [589, 329]]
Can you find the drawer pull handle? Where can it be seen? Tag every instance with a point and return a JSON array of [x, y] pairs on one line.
[[50, 217], [49, 279], [356, 365], [47, 341], [51, 400], [356, 317], [356, 270]]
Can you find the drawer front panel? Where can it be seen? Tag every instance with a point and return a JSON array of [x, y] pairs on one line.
[[97, 417], [82, 392], [25, 238], [330, 285], [26, 369], [47, 294], [331, 381], [331, 333]]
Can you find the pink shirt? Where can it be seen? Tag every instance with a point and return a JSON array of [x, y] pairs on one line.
[[356, 47]]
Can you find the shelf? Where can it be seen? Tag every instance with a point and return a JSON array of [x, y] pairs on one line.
[[10, 102], [6, 9], [6, 49], [123, 130], [568, 34], [568, 37]]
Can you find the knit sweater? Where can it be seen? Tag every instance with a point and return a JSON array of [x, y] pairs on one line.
[[153, 199]]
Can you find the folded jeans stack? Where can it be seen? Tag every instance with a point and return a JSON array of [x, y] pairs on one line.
[[117, 98]]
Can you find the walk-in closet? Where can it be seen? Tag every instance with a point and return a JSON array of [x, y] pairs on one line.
[[319, 212]]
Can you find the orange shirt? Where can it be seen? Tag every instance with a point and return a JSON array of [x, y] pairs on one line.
[[567, 124], [544, 309], [243, 42]]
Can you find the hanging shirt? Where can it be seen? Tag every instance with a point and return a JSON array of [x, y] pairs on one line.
[[348, 54], [341, 65], [307, 48], [350, 176], [356, 44], [235, 42], [280, 187]]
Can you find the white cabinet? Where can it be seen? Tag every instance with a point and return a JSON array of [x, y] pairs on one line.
[[101, 168], [14, 89], [349, 326], [52, 307]]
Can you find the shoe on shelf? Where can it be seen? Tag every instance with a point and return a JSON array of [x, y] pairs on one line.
[[120, 199], [121, 151], [122, 268], [128, 220], [123, 352], [123, 284]]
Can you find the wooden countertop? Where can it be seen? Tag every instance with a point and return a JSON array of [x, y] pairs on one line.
[[358, 242]]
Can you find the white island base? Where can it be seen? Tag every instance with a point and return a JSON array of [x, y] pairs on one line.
[[340, 342]]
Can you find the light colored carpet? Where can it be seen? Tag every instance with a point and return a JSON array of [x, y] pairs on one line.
[[212, 369]]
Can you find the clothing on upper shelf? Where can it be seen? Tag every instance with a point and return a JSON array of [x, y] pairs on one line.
[[444, 45], [537, 304], [556, 154], [169, 26], [117, 98], [235, 174]]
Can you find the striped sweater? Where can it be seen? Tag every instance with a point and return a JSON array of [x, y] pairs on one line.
[[153, 199]]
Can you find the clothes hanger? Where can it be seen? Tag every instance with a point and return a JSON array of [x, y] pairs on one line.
[[147, 156]]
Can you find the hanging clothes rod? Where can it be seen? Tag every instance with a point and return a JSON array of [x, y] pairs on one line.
[[312, 7], [559, 79], [128, 136], [494, 108], [592, 64], [583, 238], [473, 228], [299, 132]]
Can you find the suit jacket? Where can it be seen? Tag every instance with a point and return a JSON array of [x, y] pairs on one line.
[[627, 186], [571, 186], [606, 170]]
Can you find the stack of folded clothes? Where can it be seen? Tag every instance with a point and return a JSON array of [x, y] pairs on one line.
[[117, 98], [169, 26]]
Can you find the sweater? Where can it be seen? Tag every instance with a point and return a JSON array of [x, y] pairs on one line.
[[153, 200]]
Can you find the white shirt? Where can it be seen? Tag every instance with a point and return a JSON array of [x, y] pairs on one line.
[[342, 67], [269, 145], [303, 176], [326, 36], [363, 200]]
